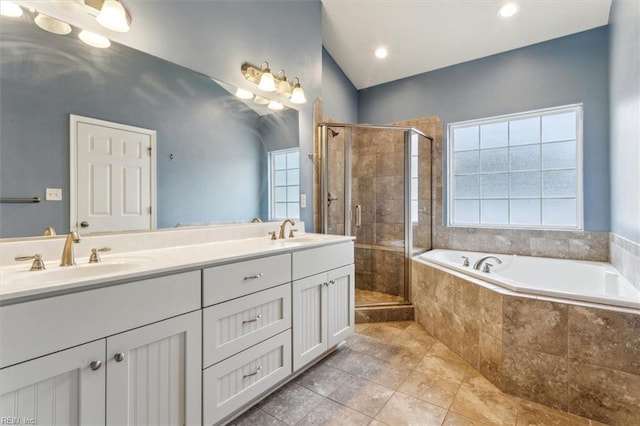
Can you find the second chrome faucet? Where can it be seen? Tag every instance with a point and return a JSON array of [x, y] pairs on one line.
[[284, 226], [67, 252]]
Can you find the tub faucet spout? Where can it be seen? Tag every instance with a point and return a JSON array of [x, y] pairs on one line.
[[480, 261]]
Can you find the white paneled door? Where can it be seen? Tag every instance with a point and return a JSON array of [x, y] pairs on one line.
[[112, 176]]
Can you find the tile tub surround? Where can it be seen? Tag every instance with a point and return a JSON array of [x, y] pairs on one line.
[[580, 359], [393, 373], [578, 245], [625, 257]]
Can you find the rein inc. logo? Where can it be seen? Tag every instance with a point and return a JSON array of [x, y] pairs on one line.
[[6, 420]]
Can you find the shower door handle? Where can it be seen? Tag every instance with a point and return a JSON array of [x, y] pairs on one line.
[[358, 216]]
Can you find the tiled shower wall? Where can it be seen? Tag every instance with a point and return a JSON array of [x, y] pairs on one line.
[[584, 360], [583, 245]]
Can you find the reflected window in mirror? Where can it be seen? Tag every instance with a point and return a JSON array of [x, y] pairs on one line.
[[284, 184]]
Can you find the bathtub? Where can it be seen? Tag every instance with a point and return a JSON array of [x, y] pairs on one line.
[[594, 282]]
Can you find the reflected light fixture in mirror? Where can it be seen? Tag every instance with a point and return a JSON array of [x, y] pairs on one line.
[[113, 16], [267, 82], [260, 100], [297, 96], [275, 105], [94, 40], [10, 9], [509, 9], [52, 25], [284, 88], [243, 93]]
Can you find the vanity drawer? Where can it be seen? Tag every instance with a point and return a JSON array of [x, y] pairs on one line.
[[59, 322], [235, 381], [233, 326], [321, 259], [222, 283]]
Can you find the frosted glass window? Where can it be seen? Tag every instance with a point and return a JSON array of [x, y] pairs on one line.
[[495, 212], [467, 211], [466, 138], [495, 185], [559, 127], [284, 184], [467, 186], [525, 212], [559, 155], [559, 212], [494, 135], [524, 158], [515, 170], [525, 185], [524, 132], [495, 160], [468, 162], [559, 183]]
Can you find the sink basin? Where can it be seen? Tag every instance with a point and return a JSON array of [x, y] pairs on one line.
[[306, 239], [58, 274]]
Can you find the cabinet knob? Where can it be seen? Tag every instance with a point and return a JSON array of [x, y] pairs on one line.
[[325, 284], [95, 365], [119, 357]]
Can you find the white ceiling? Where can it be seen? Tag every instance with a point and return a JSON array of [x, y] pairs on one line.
[[424, 35]]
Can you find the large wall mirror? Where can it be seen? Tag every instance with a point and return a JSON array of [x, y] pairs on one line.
[[212, 148]]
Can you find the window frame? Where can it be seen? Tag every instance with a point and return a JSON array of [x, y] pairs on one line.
[[450, 182], [272, 180]]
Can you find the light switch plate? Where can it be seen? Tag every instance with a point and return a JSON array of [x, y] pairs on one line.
[[303, 201], [53, 194]]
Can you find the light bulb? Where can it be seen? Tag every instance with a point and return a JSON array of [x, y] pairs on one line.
[[52, 25], [94, 40], [297, 96], [267, 82], [507, 10], [260, 100], [243, 94], [113, 16], [10, 9], [381, 53], [275, 105]]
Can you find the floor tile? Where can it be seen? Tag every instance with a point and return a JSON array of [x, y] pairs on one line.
[[291, 403], [256, 416], [455, 419], [362, 395], [405, 410], [431, 388], [370, 368], [322, 379], [331, 413], [532, 414]]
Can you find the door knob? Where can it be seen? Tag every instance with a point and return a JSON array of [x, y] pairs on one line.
[[119, 357], [84, 224], [95, 365]]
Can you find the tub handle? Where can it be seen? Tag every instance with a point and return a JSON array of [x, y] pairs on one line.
[[487, 267], [465, 261]]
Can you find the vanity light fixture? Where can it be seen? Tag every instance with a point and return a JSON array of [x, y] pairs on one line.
[[52, 25], [94, 40], [275, 105], [10, 9], [267, 82], [263, 77], [260, 100], [243, 93], [381, 53], [297, 96], [509, 9], [113, 16]]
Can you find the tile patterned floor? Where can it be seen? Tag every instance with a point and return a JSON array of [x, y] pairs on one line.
[[368, 297], [395, 374]]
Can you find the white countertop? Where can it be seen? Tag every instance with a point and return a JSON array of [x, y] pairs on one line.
[[18, 284]]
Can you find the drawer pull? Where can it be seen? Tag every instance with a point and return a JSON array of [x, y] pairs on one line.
[[119, 357], [252, 374], [253, 277], [332, 282], [95, 365], [252, 320]]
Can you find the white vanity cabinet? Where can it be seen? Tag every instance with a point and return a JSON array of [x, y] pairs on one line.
[[323, 303], [150, 374]]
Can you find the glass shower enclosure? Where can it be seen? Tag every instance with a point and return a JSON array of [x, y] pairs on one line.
[[376, 185]]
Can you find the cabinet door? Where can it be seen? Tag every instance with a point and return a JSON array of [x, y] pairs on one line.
[[154, 373], [340, 304], [57, 389], [309, 319]]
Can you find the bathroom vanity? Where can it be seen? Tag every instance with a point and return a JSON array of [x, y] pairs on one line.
[[190, 335]]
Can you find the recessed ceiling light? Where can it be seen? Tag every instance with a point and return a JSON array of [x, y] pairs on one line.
[[507, 10], [381, 52]]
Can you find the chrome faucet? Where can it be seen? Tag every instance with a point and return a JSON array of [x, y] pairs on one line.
[[283, 226], [479, 262], [67, 251]]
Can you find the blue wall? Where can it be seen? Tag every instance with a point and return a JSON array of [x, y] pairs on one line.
[[338, 93], [624, 78], [219, 170], [568, 70]]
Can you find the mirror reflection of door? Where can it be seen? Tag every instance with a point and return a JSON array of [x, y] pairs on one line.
[[112, 176]]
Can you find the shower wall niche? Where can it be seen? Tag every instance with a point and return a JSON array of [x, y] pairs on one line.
[[377, 187]]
